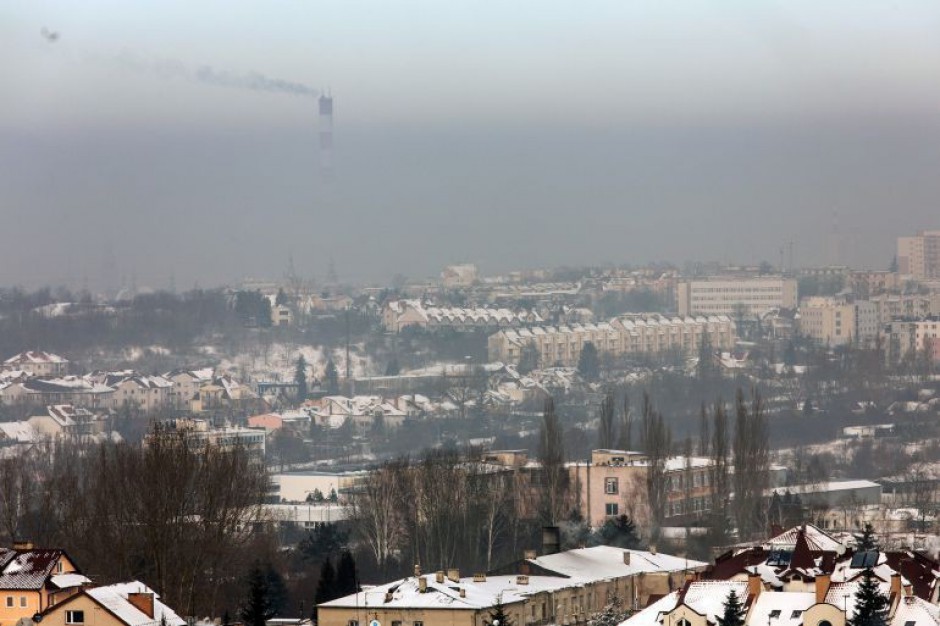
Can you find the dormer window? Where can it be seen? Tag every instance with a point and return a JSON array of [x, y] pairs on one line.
[[774, 614]]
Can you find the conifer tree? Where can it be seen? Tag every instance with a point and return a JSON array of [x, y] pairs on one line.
[[498, 616], [257, 607], [347, 578], [733, 613], [871, 607], [867, 541], [326, 586], [300, 378], [332, 377]]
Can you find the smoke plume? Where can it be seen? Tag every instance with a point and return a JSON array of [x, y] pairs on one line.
[[171, 69]]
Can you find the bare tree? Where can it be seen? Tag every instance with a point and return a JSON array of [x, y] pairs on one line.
[[375, 513], [625, 434], [554, 484], [751, 462], [657, 440], [606, 429]]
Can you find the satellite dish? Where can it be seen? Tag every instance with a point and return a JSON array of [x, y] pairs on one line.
[[375, 622], [37, 617]]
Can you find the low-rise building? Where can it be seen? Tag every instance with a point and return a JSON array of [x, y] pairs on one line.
[[735, 296], [38, 363], [124, 604], [638, 335], [564, 588], [32, 579], [400, 314]]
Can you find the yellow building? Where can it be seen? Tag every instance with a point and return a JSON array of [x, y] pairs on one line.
[[564, 588], [124, 604], [32, 579]]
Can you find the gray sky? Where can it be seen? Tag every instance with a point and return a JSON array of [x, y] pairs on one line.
[[510, 134]]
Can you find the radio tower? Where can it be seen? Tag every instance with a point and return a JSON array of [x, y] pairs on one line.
[[326, 136]]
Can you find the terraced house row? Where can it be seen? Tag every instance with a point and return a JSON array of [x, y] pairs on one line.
[[625, 335]]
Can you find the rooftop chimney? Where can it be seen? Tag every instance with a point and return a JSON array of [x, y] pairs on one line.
[[417, 570], [439, 577], [522, 579], [453, 575], [895, 584], [754, 585], [530, 554], [822, 587], [479, 578], [652, 548], [463, 592], [626, 557], [422, 584], [143, 601], [22, 544]]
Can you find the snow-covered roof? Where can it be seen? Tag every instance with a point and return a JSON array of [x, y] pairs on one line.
[[406, 594], [605, 562], [114, 598], [914, 611], [72, 579], [816, 539], [35, 356]]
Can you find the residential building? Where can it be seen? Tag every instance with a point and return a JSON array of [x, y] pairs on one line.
[[67, 421], [124, 604], [614, 483], [31, 579], [363, 412], [586, 581], [227, 437], [400, 314], [919, 256], [306, 516], [828, 321], [735, 296], [868, 283], [282, 315], [801, 577], [38, 363], [905, 306], [912, 339], [136, 391], [72, 390], [302, 485], [186, 384], [459, 275], [637, 335]]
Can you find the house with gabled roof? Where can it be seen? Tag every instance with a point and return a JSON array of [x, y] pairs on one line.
[[31, 580], [124, 604]]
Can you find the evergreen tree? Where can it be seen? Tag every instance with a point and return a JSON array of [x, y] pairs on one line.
[[733, 613], [588, 364], [347, 578], [300, 378], [257, 607], [612, 614], [867, 541], [393, 368], [620, 532], [281, 298], [498, 616], [332, 377], [871, 607], [277, 590], [326, 586]]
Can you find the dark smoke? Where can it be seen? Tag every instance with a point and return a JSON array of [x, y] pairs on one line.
[[207, 75]]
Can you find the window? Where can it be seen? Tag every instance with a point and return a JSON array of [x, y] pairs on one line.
[[353, 622], [611, 485], [396, 623], [75, 617], [419, 624], [774, 614], [611, 508], [22, 602], [9, 602], [683, 622], [825, 622]]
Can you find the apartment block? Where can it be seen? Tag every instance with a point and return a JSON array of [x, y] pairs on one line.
[[719, 295], [919, 256]]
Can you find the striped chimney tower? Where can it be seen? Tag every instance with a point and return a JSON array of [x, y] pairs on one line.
[[326, 136]]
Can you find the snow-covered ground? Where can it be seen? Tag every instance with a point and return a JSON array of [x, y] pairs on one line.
[[278, 361]]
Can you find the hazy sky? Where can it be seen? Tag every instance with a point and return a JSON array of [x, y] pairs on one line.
[[512, 134]]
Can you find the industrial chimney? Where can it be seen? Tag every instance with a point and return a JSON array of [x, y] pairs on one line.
[[326, 136]]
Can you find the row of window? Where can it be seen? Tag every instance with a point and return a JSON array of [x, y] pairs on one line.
[[11, 602]]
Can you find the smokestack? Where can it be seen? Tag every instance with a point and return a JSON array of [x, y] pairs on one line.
[[326, 136]]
